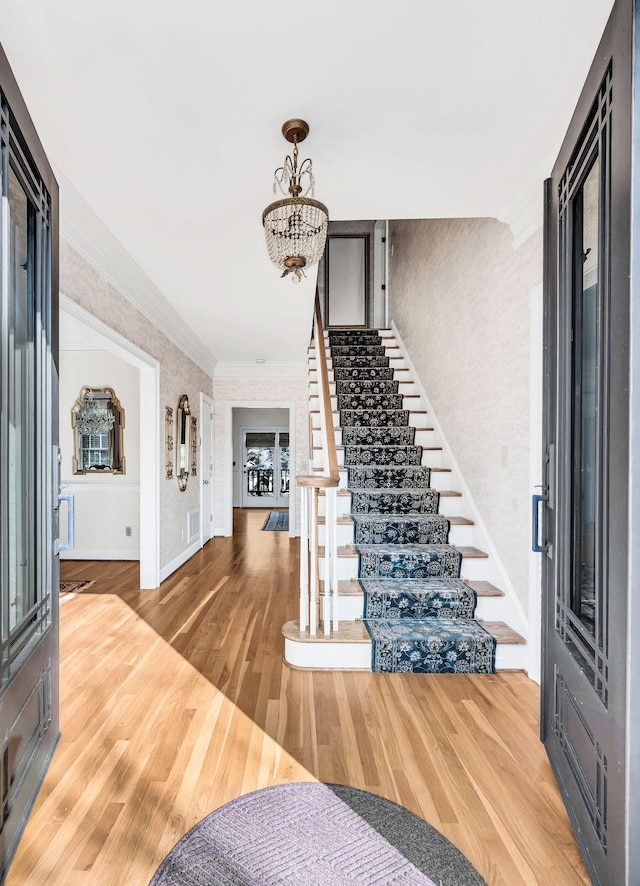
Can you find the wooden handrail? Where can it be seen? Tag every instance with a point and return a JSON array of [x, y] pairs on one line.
[[310, 487], [333, 477], [321, 368]]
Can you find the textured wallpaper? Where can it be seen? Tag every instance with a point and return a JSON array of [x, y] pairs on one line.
[[82, 282], [460, 296]]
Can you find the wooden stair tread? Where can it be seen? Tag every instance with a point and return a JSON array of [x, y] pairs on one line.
[[454, 521], [350, 632], [342, 521], [471, 552], [352, 588], [502, 632], [444, 493], [336, 411], [484, 588], [466, 551], [356, 632], [343, 551]]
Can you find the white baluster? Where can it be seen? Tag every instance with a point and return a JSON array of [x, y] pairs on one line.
[[329, 554], [334, 563], [304, 558], [313, 584]]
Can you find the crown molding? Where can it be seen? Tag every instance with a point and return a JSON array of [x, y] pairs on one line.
[[269, 369], [524, 213], [87, 233]]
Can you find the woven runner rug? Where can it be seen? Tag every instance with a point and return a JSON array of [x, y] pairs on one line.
[[310, 834], [417, 610], [277, 521]]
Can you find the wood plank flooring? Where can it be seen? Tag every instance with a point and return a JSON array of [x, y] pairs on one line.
[[177, 700]]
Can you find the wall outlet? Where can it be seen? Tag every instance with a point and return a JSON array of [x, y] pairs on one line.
[[128, 531]]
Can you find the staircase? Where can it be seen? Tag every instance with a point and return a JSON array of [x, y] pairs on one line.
[[402, 542]]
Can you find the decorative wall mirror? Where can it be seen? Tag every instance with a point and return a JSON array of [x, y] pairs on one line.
[[97, 419], [183, 442]]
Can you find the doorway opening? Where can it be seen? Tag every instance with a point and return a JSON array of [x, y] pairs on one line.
[[260, 458], [149, 430]]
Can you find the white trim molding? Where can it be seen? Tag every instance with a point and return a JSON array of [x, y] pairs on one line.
[[229, 406], [268, 369], [515, 615], [178, 561], [98, 554], [149, 484], [88, 234], [534, 650], [102, 487], [523, 213]]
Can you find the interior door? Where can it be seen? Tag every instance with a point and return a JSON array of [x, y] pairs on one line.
[[206, 467], [266, 468], [347, 280], [29, 578], [585, 571]]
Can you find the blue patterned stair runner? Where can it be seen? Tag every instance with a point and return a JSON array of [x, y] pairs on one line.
[[417, 609]]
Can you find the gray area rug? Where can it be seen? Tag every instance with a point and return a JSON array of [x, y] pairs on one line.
[[312, 834], [277, 521]]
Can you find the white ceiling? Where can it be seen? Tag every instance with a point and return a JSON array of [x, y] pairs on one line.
[[165, 118]]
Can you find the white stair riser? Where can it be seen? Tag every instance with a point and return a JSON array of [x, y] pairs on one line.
[[462, 536], [511, 657], [350, 607], [473, 568], [423, 437], [412, 403], [336, 656], [450, 505], [430, 457], [333, 656]]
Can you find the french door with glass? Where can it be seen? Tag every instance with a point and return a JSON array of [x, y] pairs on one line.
[[265, 479], [28, 465]]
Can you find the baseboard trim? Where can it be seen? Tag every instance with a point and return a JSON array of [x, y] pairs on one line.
[[98, 554], [178, 561]]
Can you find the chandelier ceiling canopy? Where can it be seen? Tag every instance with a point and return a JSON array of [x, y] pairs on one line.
[[296, 227]]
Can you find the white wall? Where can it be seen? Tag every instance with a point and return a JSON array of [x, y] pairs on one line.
[[460, 295], [251, 418], [81, 282], [105, 504]]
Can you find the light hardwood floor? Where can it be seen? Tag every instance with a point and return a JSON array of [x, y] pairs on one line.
[[177, 700]]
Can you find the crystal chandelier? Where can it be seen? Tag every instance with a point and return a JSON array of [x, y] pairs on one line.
[[93, 416], [296, 227]]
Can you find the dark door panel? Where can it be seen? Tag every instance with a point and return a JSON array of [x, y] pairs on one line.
[[586, 429], [29, 578]]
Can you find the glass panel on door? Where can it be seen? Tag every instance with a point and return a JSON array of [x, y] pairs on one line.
[[586, 451], [266, 469], [21, 403]]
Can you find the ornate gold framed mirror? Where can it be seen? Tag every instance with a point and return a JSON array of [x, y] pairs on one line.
[[183, 442], [97, 419]]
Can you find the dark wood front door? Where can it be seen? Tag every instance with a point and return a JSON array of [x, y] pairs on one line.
[[28, 465], [585, 705]]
